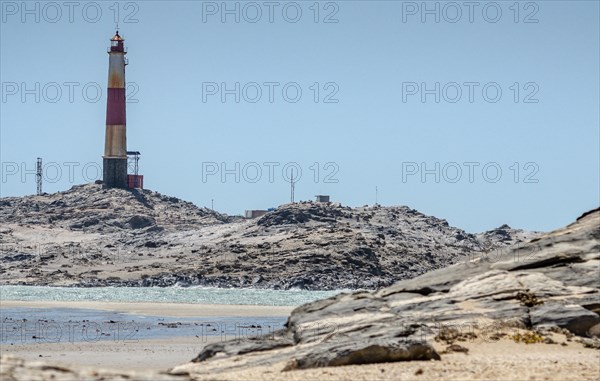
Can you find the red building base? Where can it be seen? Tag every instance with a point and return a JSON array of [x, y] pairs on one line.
[[135, 181]]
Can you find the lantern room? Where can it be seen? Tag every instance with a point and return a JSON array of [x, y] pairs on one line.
[[117, 43]]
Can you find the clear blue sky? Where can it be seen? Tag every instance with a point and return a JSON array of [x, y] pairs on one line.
[[371, 58]]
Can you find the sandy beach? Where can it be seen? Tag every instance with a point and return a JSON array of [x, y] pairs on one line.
[[158, 355]]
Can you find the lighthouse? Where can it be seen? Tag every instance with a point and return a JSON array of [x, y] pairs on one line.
[[115, 146]]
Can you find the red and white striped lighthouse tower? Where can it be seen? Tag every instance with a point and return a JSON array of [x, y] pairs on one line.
[[115, 146]]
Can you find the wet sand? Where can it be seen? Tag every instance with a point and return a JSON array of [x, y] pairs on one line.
[[161, 309]]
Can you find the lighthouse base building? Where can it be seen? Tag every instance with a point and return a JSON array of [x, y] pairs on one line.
[[114, 173]]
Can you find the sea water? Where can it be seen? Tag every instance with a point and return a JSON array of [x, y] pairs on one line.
[[195, 295]]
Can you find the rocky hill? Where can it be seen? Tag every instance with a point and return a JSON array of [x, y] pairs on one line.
[[89, 236], [91, 209]]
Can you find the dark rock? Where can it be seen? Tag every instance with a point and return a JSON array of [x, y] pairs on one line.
[[572, 317], [17, 257], [242, 347], [139, 222], [364, 353]]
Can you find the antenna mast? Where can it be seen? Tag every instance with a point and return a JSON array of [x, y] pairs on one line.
[[292, 186], [38, 176]]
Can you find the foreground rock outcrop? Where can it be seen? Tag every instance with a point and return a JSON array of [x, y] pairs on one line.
[[89, 236], [550, 284]]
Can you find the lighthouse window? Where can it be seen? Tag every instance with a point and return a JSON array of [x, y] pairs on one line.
[[115, 43]]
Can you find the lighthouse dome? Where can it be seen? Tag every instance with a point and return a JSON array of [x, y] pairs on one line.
[[117, 37]]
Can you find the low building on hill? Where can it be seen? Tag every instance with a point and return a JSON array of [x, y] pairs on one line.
[[254, 213], [322, 198]]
